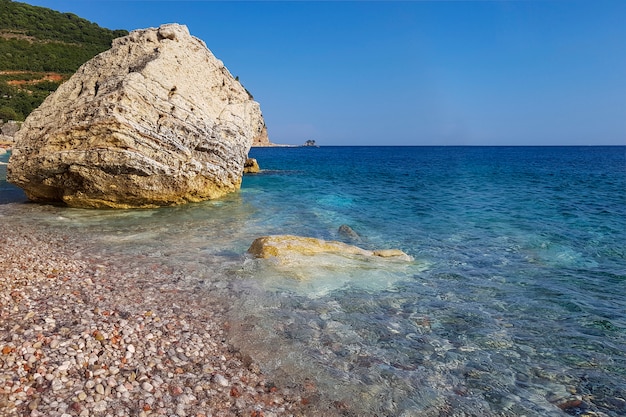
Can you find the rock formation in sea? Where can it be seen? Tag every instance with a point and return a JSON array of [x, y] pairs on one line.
[[282, 246], [251, 166], [156, 120]]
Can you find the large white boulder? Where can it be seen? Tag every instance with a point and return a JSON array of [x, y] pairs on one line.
[[156, 120]]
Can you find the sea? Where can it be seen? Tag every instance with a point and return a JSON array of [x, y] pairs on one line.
[[514, 303]]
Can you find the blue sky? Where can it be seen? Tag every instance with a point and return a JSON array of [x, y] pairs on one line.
[[411, 73]]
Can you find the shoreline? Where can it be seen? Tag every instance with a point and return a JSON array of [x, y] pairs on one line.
[[79, 337]]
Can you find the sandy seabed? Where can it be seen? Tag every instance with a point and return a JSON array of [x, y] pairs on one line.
[[79, 337]]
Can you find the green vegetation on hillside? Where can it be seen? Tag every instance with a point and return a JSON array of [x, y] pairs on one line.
[[16, 102], [47, 24], [19, 54], [35, 41]]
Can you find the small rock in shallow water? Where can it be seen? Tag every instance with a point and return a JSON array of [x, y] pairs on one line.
[[284, 246], [347, 232], [389, 253], [251, 166], [571, 405]]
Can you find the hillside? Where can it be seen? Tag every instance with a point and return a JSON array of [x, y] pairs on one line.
[[39, 49]]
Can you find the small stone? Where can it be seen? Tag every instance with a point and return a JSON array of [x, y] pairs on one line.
[[100, 389], [82, 396], [220, 380], [147, 386], [57, 385], [570, 404], [33, 404], [130, 348], [100, 406], [175, 390], [121, 388]]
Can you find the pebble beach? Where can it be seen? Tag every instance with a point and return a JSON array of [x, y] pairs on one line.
[[79, 338]]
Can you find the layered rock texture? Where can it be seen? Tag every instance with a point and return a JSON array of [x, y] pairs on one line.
[[156, 120], [262, 139], [284, 246]]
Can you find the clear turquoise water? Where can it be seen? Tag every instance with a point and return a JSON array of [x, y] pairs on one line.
[[515, 304]]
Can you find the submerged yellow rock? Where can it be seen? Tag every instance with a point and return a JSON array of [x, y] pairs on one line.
[[281, 246]]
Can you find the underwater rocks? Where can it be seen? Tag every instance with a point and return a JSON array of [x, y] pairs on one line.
[[315, 268], [156, 120], [283, 246], [348, 233]]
